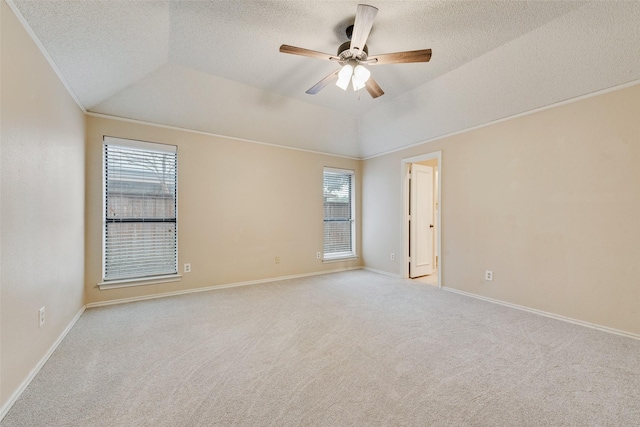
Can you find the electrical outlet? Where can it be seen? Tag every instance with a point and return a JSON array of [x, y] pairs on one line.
[[318, 255], [187, 268], [393, 256], [41, 317], [277, 260], [488, 275]]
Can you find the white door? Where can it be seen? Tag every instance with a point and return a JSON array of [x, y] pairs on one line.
[[421, 226]]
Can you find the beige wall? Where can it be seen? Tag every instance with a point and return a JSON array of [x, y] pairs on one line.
[[41, 209], [549, 201], [241, 204]]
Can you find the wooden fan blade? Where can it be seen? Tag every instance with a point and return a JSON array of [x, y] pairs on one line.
[[373, 88], [365, 15], [323, 83], [423, 55], [285, 48]]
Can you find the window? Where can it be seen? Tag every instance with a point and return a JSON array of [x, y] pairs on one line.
[[339, 223], [140, 210]]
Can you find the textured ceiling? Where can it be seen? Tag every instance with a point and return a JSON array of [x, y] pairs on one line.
[[214, 66]]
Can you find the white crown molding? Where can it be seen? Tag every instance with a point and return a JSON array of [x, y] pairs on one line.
[[199, 132], [52, 64], [504, 119]]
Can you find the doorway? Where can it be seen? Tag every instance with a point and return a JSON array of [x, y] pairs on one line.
[[421, 224]]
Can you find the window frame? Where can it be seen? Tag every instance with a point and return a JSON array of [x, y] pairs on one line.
[[344, 255], [169, 276]]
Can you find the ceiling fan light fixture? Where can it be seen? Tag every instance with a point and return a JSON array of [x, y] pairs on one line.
[[344, 76], [360, 77], [357, 83], [361, 73]]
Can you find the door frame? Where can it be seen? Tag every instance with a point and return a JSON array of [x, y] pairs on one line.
[[405, 165]]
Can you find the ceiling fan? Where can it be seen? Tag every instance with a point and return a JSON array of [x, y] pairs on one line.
[[354, 53]]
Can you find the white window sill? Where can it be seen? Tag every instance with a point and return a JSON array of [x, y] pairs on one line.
[[125, 283], [339, 258]]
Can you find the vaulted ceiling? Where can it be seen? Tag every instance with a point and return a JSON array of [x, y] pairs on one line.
[[214, 66]]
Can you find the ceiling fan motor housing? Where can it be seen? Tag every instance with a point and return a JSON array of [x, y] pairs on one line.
[[344, 53]]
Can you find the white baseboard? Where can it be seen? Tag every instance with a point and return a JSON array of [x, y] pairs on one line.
[[4, 410], [214, 287], [386, 273], [547, 314]]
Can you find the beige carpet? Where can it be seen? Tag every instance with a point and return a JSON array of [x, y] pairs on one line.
[[353, 348]]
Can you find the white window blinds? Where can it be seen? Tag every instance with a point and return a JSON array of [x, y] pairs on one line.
[[140, 209], [339, 225]]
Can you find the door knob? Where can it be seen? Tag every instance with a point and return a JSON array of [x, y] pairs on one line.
[[430, 225]]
